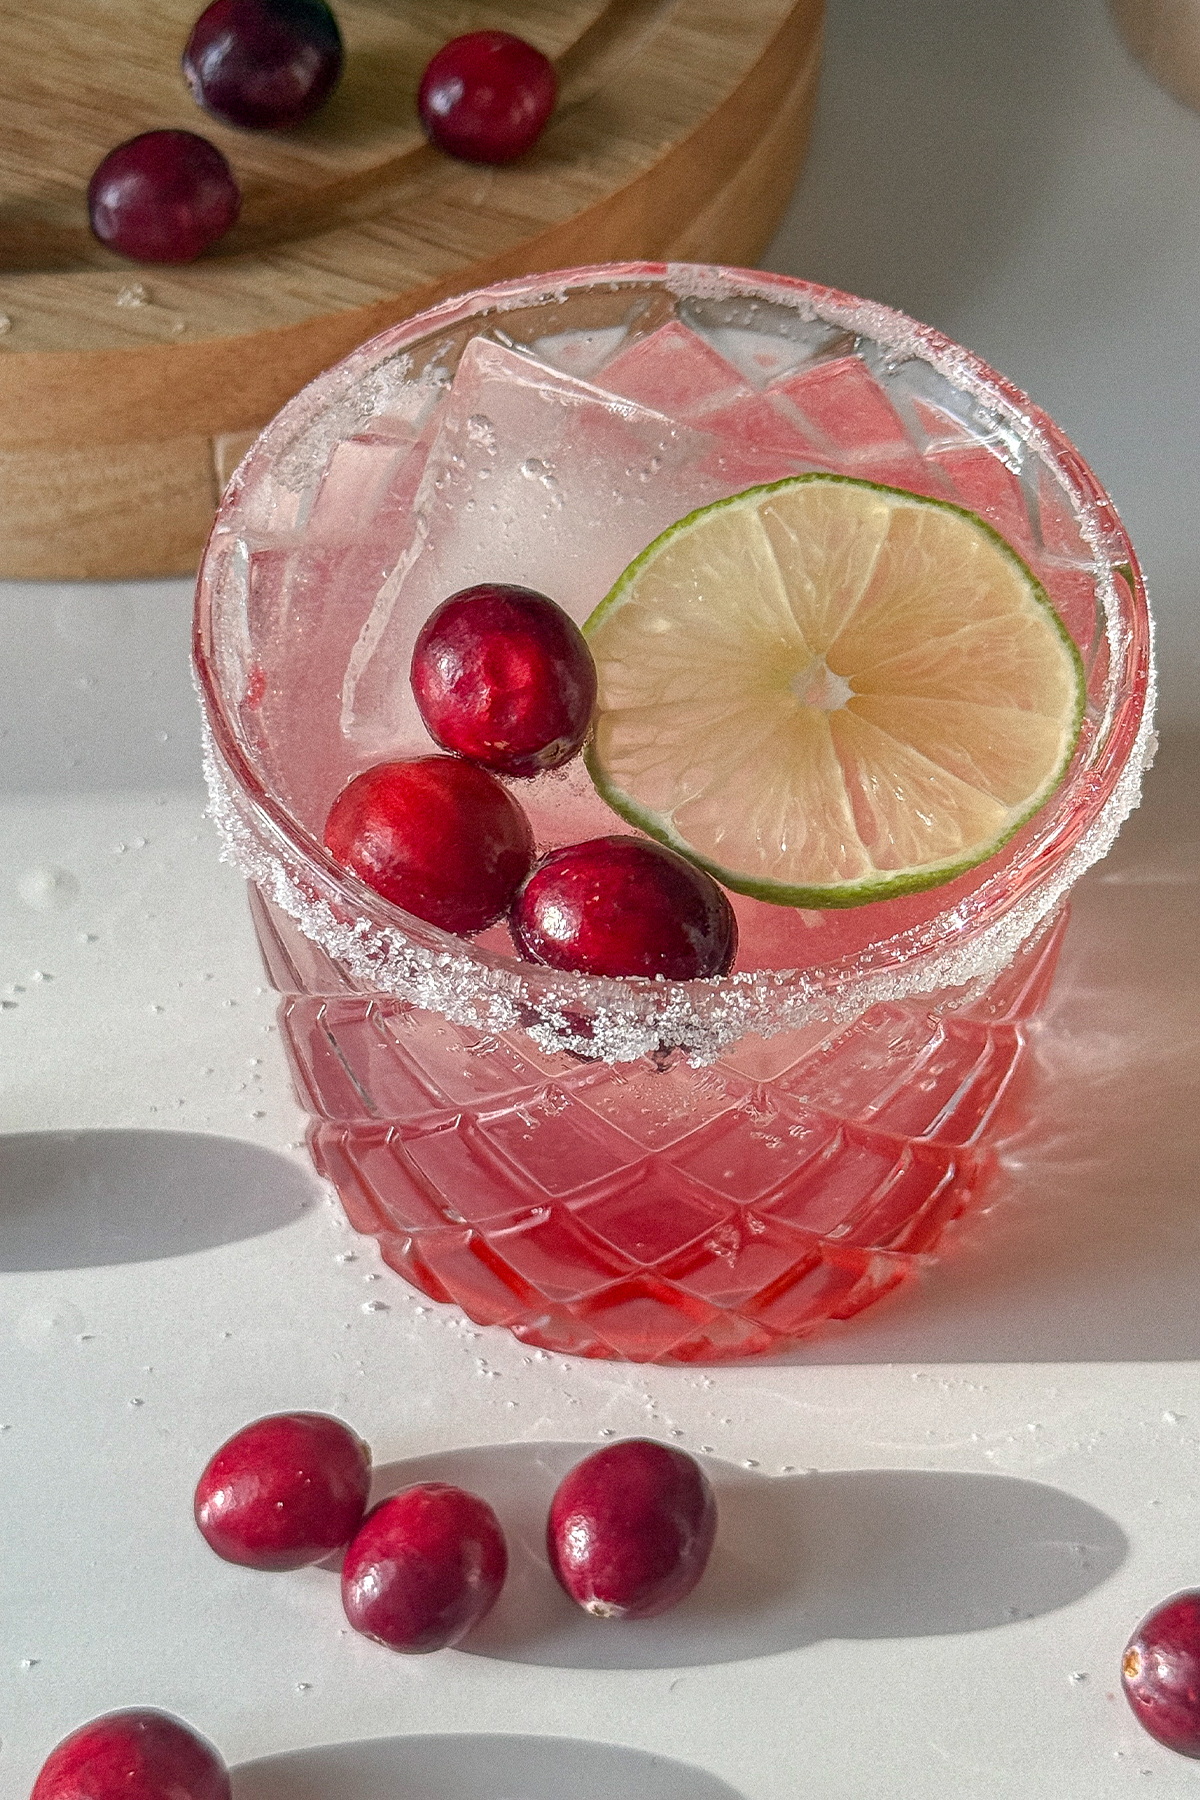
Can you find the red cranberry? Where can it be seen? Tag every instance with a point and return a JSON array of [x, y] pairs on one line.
[[134, 1755], [163, 197], [425, 1567], [486, 96], [1160, 1673], [263, 64], [630, 1529], [284, 1492], [624, 906], [436, 836], [503, 677]]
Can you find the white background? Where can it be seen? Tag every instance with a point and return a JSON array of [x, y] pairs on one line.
[[941, 1522]]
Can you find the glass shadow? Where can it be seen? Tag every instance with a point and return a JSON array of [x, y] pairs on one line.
[[1089, 1250], [90, 1199]]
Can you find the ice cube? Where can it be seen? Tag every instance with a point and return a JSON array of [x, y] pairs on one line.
[[354, 485], [760, 436], [984, 484], [580, 353], [326, 578], [1067, 567], [404, 408], [674, 371], [535, 477], [782, 342], [754, 355], [852, 418], [943, 413], [1059, 525]]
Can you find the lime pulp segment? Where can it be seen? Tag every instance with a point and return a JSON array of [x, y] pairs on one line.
[[827, 692]]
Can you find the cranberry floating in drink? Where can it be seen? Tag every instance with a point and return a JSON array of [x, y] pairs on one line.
[[138, 1754], [436, 836], [263, 64], [487, 96], [624, 906], [503, 677], [163, 197], [845, 590]]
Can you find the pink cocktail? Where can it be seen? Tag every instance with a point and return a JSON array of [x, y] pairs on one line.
[[652, 1170]]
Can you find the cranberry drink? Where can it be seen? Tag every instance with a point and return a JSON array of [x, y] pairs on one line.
[[726, 1032]]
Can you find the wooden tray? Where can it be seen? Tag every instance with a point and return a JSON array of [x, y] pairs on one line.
[[129, 392], [1164, 35]]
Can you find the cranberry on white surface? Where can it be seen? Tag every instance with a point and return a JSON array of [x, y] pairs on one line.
[[285, 1491]]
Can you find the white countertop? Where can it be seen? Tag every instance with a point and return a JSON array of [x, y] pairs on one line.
[[941, 1522]]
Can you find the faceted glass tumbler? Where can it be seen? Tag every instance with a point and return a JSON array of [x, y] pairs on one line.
[[647, 1170]]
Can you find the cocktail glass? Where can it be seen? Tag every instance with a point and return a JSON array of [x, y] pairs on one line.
[[617, 1168]]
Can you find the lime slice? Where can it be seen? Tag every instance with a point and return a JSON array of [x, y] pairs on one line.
[[827, 692]]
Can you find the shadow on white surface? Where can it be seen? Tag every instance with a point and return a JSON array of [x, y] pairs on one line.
[[872, 1553], [486, 1767], [88, 1199], [1090, 1248]]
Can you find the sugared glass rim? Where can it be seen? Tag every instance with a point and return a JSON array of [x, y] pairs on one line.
[[384, 949]]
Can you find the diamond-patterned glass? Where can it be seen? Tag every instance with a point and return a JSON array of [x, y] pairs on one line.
[[637, 1206]]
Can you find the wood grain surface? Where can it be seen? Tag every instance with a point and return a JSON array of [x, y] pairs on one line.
[[128, 392]]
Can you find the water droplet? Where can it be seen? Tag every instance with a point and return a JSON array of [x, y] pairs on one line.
[[480, 430], [46, 888], [534, 469], [5, 324], [374, 1306], [132, 295]]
